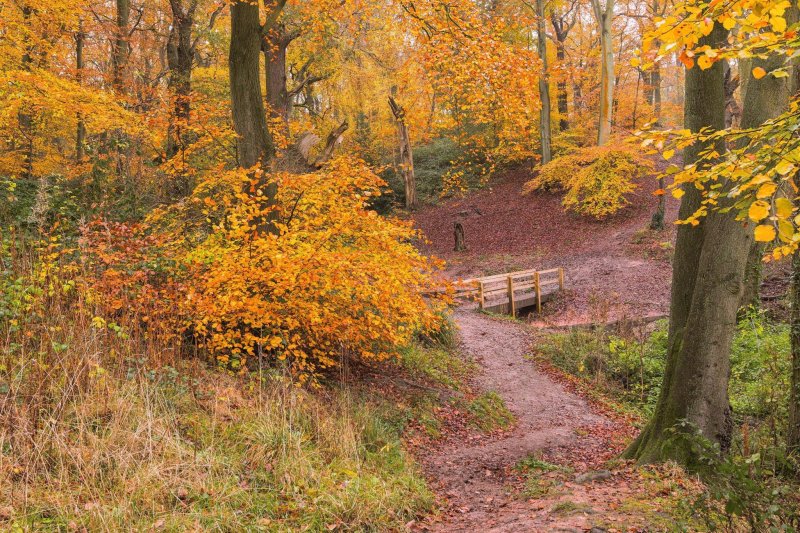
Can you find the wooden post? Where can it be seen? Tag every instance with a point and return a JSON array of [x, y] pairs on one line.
[[561, 279], [538, 292], [481, 300], [511, 304], [458, 233]]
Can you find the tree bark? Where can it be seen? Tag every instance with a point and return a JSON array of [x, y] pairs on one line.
[[121, 46], [254, 143], [762, 100], [80, 132], [707, 285], [793, 431], [605, 18], [458, 234], [276, 43], [406, 155], [545, 129], [180, 58]]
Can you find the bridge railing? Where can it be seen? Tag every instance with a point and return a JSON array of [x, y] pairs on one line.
[[514, 289]]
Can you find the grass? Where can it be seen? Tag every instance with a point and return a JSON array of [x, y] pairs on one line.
[[218, 453], [112, 430], [489, 412], [437, 365]]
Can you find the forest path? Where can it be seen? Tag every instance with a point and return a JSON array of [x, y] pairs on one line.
[[477, 475]]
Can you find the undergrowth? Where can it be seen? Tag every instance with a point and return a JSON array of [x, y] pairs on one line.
[[106, 428], [752, 488]]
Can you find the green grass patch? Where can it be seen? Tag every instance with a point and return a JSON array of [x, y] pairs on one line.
[[489, 412]]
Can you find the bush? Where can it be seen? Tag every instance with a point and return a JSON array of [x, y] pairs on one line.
[[337, 281], [596, 179]]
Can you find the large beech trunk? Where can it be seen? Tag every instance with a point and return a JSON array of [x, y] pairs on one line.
[[276, 43], [762, 99], [545, 130], [406, 154], [707, 284]]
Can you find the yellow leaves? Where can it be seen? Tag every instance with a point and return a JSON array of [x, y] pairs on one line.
[[705, 62], [678, 193], [668, 154], [766, 190], [778, 24], [758, 211], [784, 167], [764, 233], [783, 208], [759, 73]]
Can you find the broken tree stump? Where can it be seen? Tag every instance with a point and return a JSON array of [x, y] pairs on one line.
[[458, 232]]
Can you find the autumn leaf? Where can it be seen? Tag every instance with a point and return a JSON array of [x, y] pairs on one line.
[[764, 233], [758, 211], [759, 73]]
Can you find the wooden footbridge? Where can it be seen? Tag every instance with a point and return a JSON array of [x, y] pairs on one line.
[[511, 292]]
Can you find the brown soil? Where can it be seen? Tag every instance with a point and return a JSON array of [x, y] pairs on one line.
[[477, 476], [615, 268]]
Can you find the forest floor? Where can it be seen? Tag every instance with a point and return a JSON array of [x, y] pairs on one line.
[[555, 469], [615, 268]]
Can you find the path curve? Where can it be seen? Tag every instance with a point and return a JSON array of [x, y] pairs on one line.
[[472, 475]]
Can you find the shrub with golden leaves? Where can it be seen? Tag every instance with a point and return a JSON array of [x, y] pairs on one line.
[[335, 280], [596, 179]]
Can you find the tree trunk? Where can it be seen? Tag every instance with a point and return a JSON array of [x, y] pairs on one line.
[[121, 47], [707, 285], [605, 17], [276, 43], [80, 133], [254, 143], [793, 431], [544, 86], [762, 100], [458, 233], [406, 155], [180, 56]]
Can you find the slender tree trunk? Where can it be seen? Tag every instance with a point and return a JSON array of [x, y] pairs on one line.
[[545, 129], [24, 116], [707, 284], [121, 48], [406, 155], [561, 91], [605, 18], [180, 58], [793, 431], [80, 132], [276, 43], [254, 143], [655, 83]]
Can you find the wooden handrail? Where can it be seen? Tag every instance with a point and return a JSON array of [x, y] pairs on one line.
[[514, 286]]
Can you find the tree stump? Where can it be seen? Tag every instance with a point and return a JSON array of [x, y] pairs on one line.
[[458, 232]]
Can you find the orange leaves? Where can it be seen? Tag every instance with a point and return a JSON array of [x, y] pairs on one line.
[[338, 279]]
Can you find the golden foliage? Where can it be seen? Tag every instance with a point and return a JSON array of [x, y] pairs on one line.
[[596, 179], [336, 280]]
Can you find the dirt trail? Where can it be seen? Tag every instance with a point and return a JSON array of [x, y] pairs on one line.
[[474, 476]]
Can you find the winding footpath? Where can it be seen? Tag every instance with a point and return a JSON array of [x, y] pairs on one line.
[[551, 420]]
